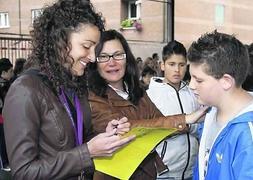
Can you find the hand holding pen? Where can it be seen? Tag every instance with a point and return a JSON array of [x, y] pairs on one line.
[[122, 126]]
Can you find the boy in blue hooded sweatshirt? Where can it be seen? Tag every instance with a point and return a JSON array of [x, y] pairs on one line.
[[218, 67]]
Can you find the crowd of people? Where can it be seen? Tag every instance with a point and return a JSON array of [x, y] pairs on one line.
[[6, 71], [7, 75], [82, 88]]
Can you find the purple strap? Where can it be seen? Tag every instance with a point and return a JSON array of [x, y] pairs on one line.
[[79, 128], [79, 120]]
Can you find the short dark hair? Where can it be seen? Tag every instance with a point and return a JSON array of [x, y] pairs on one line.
[[98, 85], [223, 54], [19, 65], [148, 70], [155, 55], [248, 83], [138, 59], [173, 47], [5, 65]]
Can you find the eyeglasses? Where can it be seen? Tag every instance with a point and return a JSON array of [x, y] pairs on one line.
[[106, 57]]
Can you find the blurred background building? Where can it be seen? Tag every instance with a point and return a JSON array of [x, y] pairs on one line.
[[147, 24]]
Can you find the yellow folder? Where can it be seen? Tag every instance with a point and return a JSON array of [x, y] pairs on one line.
[[125, 161]]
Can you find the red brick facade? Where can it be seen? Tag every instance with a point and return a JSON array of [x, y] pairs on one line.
[[191, 19]]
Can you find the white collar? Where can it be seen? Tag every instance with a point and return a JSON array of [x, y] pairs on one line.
[[123, 94]]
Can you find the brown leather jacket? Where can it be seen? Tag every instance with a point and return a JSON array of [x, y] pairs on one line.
[[144, 114], [39, 135]]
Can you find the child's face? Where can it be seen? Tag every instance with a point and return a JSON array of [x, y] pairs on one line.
[[146, 79], [206, 88], [174, 69], [7, 74]]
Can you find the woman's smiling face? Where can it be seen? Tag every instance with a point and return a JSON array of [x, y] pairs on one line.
[[83, 43], [113, 70]]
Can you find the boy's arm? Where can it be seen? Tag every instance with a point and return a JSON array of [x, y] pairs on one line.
[[243, 165]]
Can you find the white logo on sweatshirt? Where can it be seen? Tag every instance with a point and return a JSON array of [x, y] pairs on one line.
[[219, 157]]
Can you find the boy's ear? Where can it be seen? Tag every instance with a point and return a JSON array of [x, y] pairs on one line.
[[162, 66], [227, 81]]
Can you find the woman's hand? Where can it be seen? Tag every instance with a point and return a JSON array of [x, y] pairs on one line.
[[122, 126], [196, 116], [105, 144]]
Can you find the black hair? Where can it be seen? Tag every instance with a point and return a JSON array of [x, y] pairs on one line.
[[155, 56], [5, 65], [138, 59], [222, 54], [173, 47], [19, 65], [99, 85], [248, 83], [148, 70]]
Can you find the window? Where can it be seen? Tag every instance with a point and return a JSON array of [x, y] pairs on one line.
[[138, 9], [132, 14], [219, 14], [36, 13], [4, 20], [131, 9]]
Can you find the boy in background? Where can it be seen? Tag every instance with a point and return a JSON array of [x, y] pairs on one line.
[[146, 75], [218, 67], [171, 95], [6, 73]]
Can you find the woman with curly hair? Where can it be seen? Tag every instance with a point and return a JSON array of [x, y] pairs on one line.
[[50, 135]]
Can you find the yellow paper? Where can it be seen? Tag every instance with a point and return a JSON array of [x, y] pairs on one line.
[[125, 161]]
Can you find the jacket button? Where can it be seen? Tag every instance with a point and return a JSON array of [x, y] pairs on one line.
[[180, 126]]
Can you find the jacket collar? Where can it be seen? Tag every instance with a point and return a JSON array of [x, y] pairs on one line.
[[115, 99], [239, 118], [123, 94], [158, 82]]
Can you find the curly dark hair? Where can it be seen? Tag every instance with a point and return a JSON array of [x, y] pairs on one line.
[[99, 85], [50, 40]]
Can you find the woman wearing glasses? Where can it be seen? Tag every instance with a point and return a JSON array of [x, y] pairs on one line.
[[115, 92]]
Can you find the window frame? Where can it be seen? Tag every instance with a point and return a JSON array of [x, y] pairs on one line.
[[137, 4], [35, 13], [130, 3], [219, 14], [4, 20]]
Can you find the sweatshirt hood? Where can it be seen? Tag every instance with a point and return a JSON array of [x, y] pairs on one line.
[[157, 82]]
